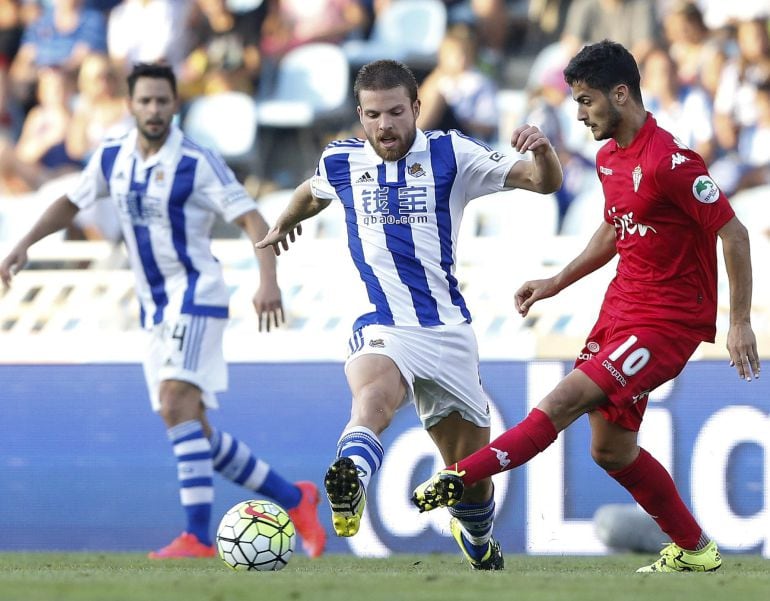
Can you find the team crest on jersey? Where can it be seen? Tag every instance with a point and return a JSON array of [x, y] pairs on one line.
[[705, 190], [636, 174], [160, 176], [416, 170]]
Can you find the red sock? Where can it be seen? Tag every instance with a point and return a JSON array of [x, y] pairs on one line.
[[652, 487], [509, 450]]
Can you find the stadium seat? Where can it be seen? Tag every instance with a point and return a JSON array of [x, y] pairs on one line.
[[227, 123], [311, 86], [408, 30], [310, 95]]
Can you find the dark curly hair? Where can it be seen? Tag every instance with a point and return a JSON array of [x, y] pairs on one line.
[[603, 66]]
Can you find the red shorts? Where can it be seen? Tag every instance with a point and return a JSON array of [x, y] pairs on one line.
[[627, 360]]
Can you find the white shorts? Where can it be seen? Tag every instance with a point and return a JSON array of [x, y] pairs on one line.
[[440, 365], [189, 349]]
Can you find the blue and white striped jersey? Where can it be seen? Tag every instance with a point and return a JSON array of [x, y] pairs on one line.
[[167, 205], [403, 218]]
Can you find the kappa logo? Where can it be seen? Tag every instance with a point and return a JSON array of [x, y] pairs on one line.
[[502, 457], [705, 190], [377, 343], [365, 178], [416, 170], [677, 159]]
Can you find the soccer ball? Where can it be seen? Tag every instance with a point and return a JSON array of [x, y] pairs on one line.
[[256, 535]]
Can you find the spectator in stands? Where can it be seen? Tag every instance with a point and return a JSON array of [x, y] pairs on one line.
[[683, 110], [11, 28], [100, 112], [754, 143], [687, 37], [628, 22], [225, 53], [100, 108], [549, 107], [149, 31], [456, 95], [169, 191], [292, 23], [488, 18], [61, 37], [735, 102], [40, 153]]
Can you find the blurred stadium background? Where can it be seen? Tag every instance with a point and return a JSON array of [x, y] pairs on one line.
[[85, 465]]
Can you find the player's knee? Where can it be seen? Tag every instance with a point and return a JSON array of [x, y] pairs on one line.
[[608, 458], [374, 408], [179, 402]]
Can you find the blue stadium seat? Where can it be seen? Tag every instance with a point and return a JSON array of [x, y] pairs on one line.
[[311, 86], [408, 30], [227, 123]]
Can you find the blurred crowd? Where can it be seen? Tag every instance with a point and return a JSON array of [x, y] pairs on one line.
[[705, 71]]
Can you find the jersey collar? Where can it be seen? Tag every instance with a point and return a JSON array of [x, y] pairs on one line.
[[420, 143], [640, 140]]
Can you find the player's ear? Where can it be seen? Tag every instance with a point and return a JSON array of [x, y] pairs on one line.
[[620, 94], [360, 114], [416, 108]]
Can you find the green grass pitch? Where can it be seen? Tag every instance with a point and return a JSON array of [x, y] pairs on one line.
[[132, 577]]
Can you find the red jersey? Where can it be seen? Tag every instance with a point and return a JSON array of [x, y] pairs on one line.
[[666, 211]]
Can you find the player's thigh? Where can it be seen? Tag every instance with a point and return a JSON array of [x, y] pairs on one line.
[[573, 396], [629, 361], [379, 368], [452, 383], [187, 349]]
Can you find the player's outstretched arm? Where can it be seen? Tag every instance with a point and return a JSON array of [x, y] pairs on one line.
[[55, 217], [741, 342], [600, 249], [302, 205], [543, 173]]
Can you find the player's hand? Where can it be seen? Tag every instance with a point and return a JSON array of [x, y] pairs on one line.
[[11, 265], [268, 305], [532, 291], [742, 346], [279, 237], [529, 137]]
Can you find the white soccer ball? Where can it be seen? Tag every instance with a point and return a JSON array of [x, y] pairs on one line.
[[256, 535]]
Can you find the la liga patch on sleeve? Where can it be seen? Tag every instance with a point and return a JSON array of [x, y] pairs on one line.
[[705, 190]]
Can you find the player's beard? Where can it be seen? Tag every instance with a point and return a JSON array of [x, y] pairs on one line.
[[156, 135], [611, 124], [402, 146]]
